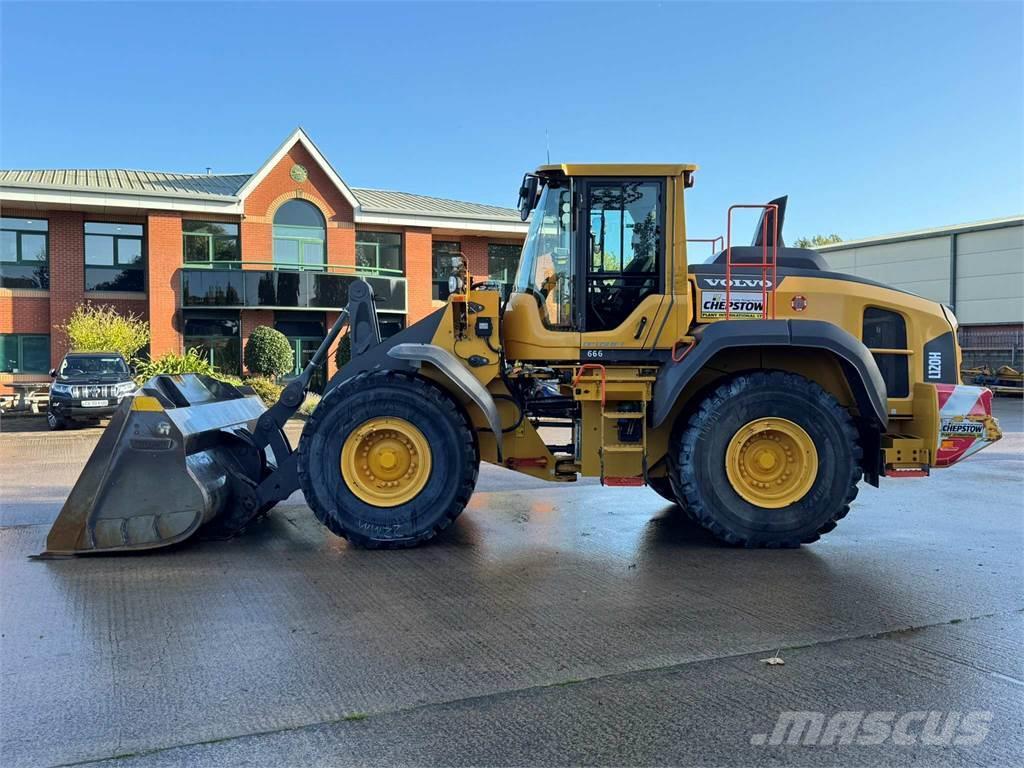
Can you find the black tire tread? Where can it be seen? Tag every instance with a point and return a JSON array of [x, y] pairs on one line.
[[683, 448], [374, 380], [663, 487]]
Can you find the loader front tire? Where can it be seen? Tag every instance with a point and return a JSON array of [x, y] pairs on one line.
[[387, 460], [768, 459]]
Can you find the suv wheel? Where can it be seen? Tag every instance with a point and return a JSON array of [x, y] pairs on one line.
[[54, 421]]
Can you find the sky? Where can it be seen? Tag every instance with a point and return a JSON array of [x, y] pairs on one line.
[[873, 118]]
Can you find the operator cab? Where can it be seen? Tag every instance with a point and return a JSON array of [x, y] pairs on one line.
[[595, 265]]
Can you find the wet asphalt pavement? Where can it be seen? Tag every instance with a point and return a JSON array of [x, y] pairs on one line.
[[552, 625]]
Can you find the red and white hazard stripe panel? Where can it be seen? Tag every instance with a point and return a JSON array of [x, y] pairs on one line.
[[966, 424]]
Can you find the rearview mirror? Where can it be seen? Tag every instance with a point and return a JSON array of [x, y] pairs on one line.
[[53, 373], [527, 196]]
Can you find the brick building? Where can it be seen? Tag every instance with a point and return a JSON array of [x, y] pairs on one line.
[[207, 258]]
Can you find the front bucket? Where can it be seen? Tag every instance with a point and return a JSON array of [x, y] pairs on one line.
[[162, 468]]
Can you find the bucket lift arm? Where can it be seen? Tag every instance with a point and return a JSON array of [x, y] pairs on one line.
[[364, 330]]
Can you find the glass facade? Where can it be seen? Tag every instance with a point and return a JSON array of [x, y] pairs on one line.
[[114, 257], [24, 253], [380, 252], [217, 336], [211, 243], [502, 263], [281, 289], [442, 253], [24, 353], [304, 331]]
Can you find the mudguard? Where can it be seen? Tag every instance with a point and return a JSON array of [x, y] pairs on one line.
[[456, 373], [858, 364]]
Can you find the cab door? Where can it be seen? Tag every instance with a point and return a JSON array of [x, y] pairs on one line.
[[621, 266]]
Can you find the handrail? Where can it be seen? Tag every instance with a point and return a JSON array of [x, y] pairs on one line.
[[712, 240], [351, 269], [764, 264]]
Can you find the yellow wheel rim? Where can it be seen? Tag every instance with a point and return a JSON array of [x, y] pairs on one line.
[[385, 461], [771, 462]]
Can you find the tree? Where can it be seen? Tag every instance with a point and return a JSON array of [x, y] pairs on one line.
[[268, 353], [816, 240], [101, 328]]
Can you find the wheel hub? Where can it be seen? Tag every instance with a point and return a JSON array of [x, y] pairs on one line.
[[771, 462], [386, 461]]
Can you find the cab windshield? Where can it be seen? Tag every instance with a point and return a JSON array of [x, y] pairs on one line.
[[98, 365], [545, 268]]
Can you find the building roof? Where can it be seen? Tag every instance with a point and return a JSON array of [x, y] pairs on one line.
[[923, 234], [125, 180], [387, 201], [201, 185]]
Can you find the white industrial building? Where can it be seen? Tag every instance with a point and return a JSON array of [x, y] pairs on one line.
[[977, 269]]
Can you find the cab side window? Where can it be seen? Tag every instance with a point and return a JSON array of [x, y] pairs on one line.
[[624, 249]]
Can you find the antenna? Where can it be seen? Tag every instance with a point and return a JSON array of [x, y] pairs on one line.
[[547, 144]]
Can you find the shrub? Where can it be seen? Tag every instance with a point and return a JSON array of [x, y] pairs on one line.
[[101, 328], [343, 352], [309, 404], [268, 353], [193, 361], [268, 391]]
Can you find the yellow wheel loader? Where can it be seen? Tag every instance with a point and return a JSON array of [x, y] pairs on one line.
[[755, 390]]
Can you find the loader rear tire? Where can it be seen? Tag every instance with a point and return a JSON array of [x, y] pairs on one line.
[[663, 487], [423, 424], [809, 448]]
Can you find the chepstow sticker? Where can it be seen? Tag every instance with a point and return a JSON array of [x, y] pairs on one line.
[[956, 427], [712, 304]]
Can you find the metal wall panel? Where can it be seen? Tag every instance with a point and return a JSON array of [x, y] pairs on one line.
[[989, 269]]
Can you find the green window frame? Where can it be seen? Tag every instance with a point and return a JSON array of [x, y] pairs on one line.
[[24, 353], [309, 251], [20, 265], [115, 257], [211, 243], [300, 236], [369, 247]]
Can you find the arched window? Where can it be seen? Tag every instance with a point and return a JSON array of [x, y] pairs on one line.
[[299, 234]]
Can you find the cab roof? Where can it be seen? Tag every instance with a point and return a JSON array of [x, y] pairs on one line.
[[618, 169]]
